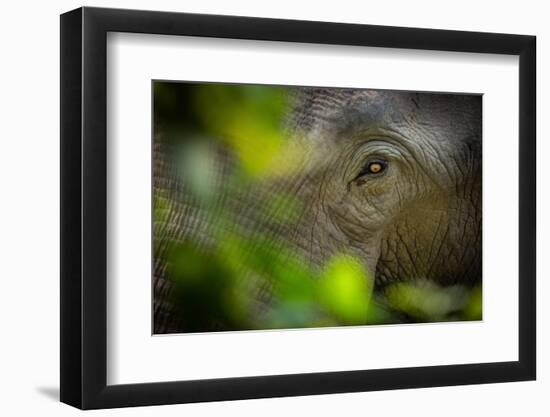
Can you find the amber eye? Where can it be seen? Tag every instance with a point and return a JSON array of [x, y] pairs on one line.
[[373, 167]]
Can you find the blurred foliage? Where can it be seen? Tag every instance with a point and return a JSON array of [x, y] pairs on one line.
[[247, 118], [252, 126], [424, 301], [221, 286], [345, 289]]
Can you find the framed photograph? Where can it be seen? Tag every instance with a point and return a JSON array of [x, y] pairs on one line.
[[257, 208]]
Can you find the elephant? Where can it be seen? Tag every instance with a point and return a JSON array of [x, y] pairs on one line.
[[391, 178]]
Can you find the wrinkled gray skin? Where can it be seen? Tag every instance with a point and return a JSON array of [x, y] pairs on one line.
[[419, 219]]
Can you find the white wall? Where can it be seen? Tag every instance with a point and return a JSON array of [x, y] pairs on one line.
[[29, 237]]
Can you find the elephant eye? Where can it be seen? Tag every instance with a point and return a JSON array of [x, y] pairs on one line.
[[373, 167]]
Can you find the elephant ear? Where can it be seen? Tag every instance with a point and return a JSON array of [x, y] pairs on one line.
[[178, 217]]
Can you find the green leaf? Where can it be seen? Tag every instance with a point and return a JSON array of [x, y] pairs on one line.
[[345, 289]]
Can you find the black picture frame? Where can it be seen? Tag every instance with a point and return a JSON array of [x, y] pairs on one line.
[[84, 207]]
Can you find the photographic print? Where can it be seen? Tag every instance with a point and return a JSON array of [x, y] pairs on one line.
[[380, 192], [283, 207]]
